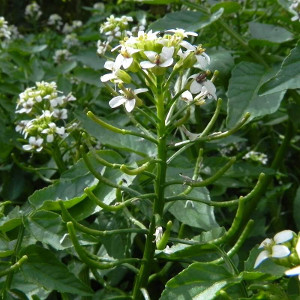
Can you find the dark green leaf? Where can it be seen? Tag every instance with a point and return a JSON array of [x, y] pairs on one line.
[[188, 20], [45, 269], [269, 33], [228, 6], [90, 59], [199, 281], [88, 75], [244, 84], [288, 76], [66, 67], [12, 220]]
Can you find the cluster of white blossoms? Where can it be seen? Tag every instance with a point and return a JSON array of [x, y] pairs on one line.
[[44, 115], [33, 11], [295, 8], [256, 156], [284, 249], [55, 20], [70, 28], [150, 54], [5, 32], [61, 55], [71, 40], [115, 27]]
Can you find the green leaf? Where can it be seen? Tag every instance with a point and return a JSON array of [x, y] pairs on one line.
[[69, 188], [228, 6], [45, 269], [296, 208], [188, 20], [221, 61], [243, 96], [12, 220], [66, 67], [160, 2], [88, 75], [199, 281], [194, 214], [288, 76], [47, 227], [6, 247], [269, 33], [89, 58]]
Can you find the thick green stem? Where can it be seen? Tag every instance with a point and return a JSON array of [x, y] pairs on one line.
[[158, 205]]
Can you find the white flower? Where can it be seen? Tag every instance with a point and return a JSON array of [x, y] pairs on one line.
[[34, 144], [203, 86], [4, 29], [187, 96], [129, 98], [27, 107], [164, 59], [110, 65], [21, 126], [32, 11], [60, 114], [52, 130], [125, 58], [71, 40], [102, 47], [57, 101], [203, 60], [273, 248], [158, 234], [55, 20], [182, 33], [61, 55]]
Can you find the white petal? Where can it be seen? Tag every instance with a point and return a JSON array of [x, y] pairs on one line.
[[129, 105], [167, 63], [109, 65], [27, 147], [50, 138], [167, 52], [150, 55], [279, 251], [210, 88], [293, 272], [117, 101], [187, 95], [147, 64], [261, 257], [195, 87], [127, 62], [118, 62], [142, 90], [283, 236], [265, 243], [108, 77], [187, 45], [202, 62]]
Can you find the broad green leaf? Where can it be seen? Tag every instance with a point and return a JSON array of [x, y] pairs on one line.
[[7, 248], [66, 67], [90, 58], [296, 208], [45, 269], [27, 49], [188, 20], [269, 33], [88, 75], [12, 220], [69, 188], [47, 227], [117, 141], [191, 213], [243, 96], [228, 6], [199, 281], [288, 76], [221, 61]]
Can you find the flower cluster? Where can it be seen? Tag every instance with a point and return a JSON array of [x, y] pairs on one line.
[[61, 55], [71, 40], [256, 156], [44, 115], [55, 20], [284, 249], [4, 29], [295, 9], [151, 55], [32, 11], [70, 28], [115, 27]]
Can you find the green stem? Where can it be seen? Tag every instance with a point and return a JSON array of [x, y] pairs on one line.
[[158, 205]]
